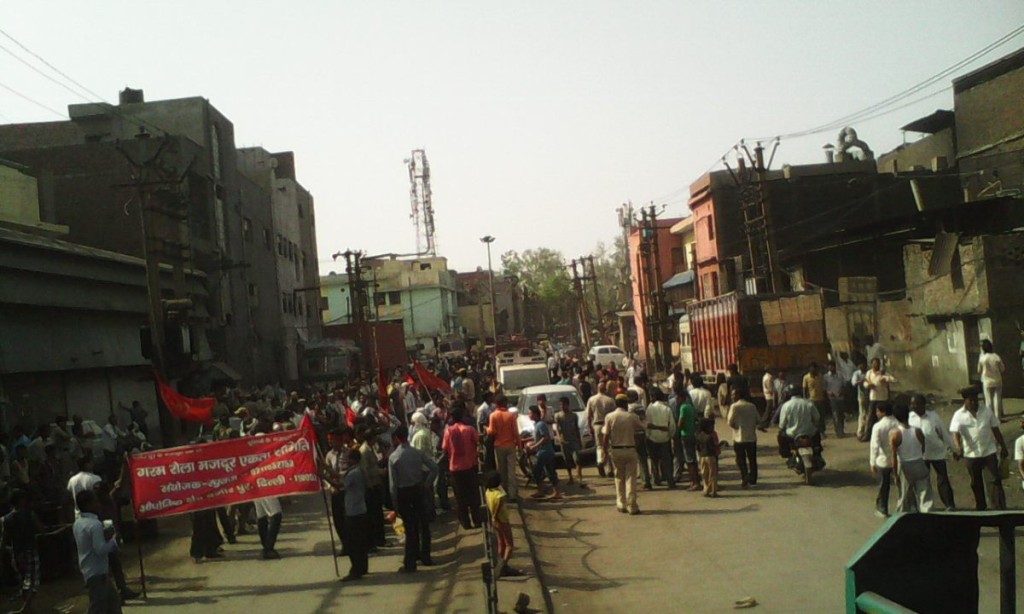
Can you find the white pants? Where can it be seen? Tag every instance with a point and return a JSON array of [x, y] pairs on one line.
[[915, 487], [994, 400]]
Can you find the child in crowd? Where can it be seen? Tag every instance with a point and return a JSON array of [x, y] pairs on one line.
[[708, 449], [496, 505]]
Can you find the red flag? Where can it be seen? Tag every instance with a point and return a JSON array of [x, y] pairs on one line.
[[186, 408], [431, 381], [350, 416], [382, 391]]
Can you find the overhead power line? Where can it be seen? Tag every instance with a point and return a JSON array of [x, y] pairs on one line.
[[32, 100]]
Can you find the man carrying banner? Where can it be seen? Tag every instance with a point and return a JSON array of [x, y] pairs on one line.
[[268, 520]]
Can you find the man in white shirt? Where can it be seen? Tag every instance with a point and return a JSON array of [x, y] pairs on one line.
[[660, 426], [937, 446], [700, 397], [879, 456], [977, 438], [768, 390], [82, 481], [863, 406], [835, 387]]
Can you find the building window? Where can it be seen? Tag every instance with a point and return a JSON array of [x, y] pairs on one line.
[[299, 204], [711, 228], [268, 239], [394, 298], [678, 260], [379, 299], [280, 246], [247, 229], [284, 302]]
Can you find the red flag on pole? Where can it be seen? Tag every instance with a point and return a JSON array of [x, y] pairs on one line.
[[430, 380], [186, 408]]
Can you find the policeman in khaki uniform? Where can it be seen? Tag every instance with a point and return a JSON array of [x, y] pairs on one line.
[[619, 441]]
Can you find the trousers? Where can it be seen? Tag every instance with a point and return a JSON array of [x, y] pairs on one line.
[[746, 460], [357, 543], [506, 460], [338, 516], [709, 471], [626, 463], [994, 399], [975, 468], [884, 484], [103, 597], [411, 503], [661, 462], [467, 497], [915, 487], [942, 482]]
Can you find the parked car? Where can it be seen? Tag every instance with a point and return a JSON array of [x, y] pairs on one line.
[[554, 394], [608, 354]]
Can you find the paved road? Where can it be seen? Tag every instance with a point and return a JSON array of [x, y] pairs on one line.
[[783, 543], [303, 580]]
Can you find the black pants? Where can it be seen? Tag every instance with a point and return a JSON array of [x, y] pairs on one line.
[[117, 571], [411, 503], [975, 467], [441, 485], [884, 483], [942, 479], [641, 453], [338, 516], [746, 460], [490, 464], [103, 598], [269, 527], [357, 543], [227, 523], [375, 512], [661, 462], [467, 497], [205, 536]]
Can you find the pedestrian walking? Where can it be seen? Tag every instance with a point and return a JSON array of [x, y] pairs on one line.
[[358, 529], [497, 505], [504, 428], [95, 542], [835, 390], [743, 419], [990, 369], [907, 444], [686, 425], [460, 444], [335, 468], [709, 450], [567, 429], [619, 442], [660, 426], [978, 440], [410, 474], [863, 406], [543, 449], [937, 444], [598, 408], [880, 456]]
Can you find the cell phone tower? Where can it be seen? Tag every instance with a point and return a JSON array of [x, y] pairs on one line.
[[422, 209]]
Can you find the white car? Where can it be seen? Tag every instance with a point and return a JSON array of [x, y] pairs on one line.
[[554, 394], [605, 355]]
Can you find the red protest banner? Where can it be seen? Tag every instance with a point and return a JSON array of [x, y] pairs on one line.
[[193, 478]]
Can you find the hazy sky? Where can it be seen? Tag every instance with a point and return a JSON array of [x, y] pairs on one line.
[[538, 118]]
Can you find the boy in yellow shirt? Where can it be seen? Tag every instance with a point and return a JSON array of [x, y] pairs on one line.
[[496, 505]]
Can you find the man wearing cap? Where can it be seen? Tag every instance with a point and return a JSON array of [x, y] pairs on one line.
[[618, 439]]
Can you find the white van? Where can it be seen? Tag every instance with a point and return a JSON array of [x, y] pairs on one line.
[[514, 378]]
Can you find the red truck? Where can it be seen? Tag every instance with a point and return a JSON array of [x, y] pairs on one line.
[[758, 332]]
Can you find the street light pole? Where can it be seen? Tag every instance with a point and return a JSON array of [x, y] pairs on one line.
[[494, 322]]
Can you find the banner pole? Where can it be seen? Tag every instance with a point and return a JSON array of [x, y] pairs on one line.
[[327, 512], [142, 567]]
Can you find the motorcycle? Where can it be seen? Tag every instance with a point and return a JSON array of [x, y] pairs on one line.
[[805, 457]]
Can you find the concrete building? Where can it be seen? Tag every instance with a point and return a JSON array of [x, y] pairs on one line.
[[70, 320], [474, 299], [208, 217], [681, 288], [652, 323], [419, 293], [293, 233]]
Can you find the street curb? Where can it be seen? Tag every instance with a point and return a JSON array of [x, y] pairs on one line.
[[549, 604]]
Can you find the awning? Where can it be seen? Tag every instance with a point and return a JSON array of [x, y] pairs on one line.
[[679, 279]]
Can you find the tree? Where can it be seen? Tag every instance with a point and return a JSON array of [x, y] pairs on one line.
[[542, 273]]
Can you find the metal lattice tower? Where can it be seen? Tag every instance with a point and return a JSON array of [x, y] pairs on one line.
[[422, 209]]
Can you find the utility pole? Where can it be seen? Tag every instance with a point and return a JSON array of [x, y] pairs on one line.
[[655, 309], [751, 179], [163, 221], [592, 278], [581, 302]]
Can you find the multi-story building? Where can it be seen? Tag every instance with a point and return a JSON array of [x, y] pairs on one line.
[[681, 288], [655, 256], [419, 293], [474, 297], [203, 214]]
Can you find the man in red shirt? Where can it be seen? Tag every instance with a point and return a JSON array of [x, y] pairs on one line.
[[504, 427], [460, 444]]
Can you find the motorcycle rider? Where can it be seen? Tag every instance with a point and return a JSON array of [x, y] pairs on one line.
[[798, 417]]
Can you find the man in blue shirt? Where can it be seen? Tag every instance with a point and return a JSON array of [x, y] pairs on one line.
[[95, 543], [357, 521], [543, 446], [410, 474]]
